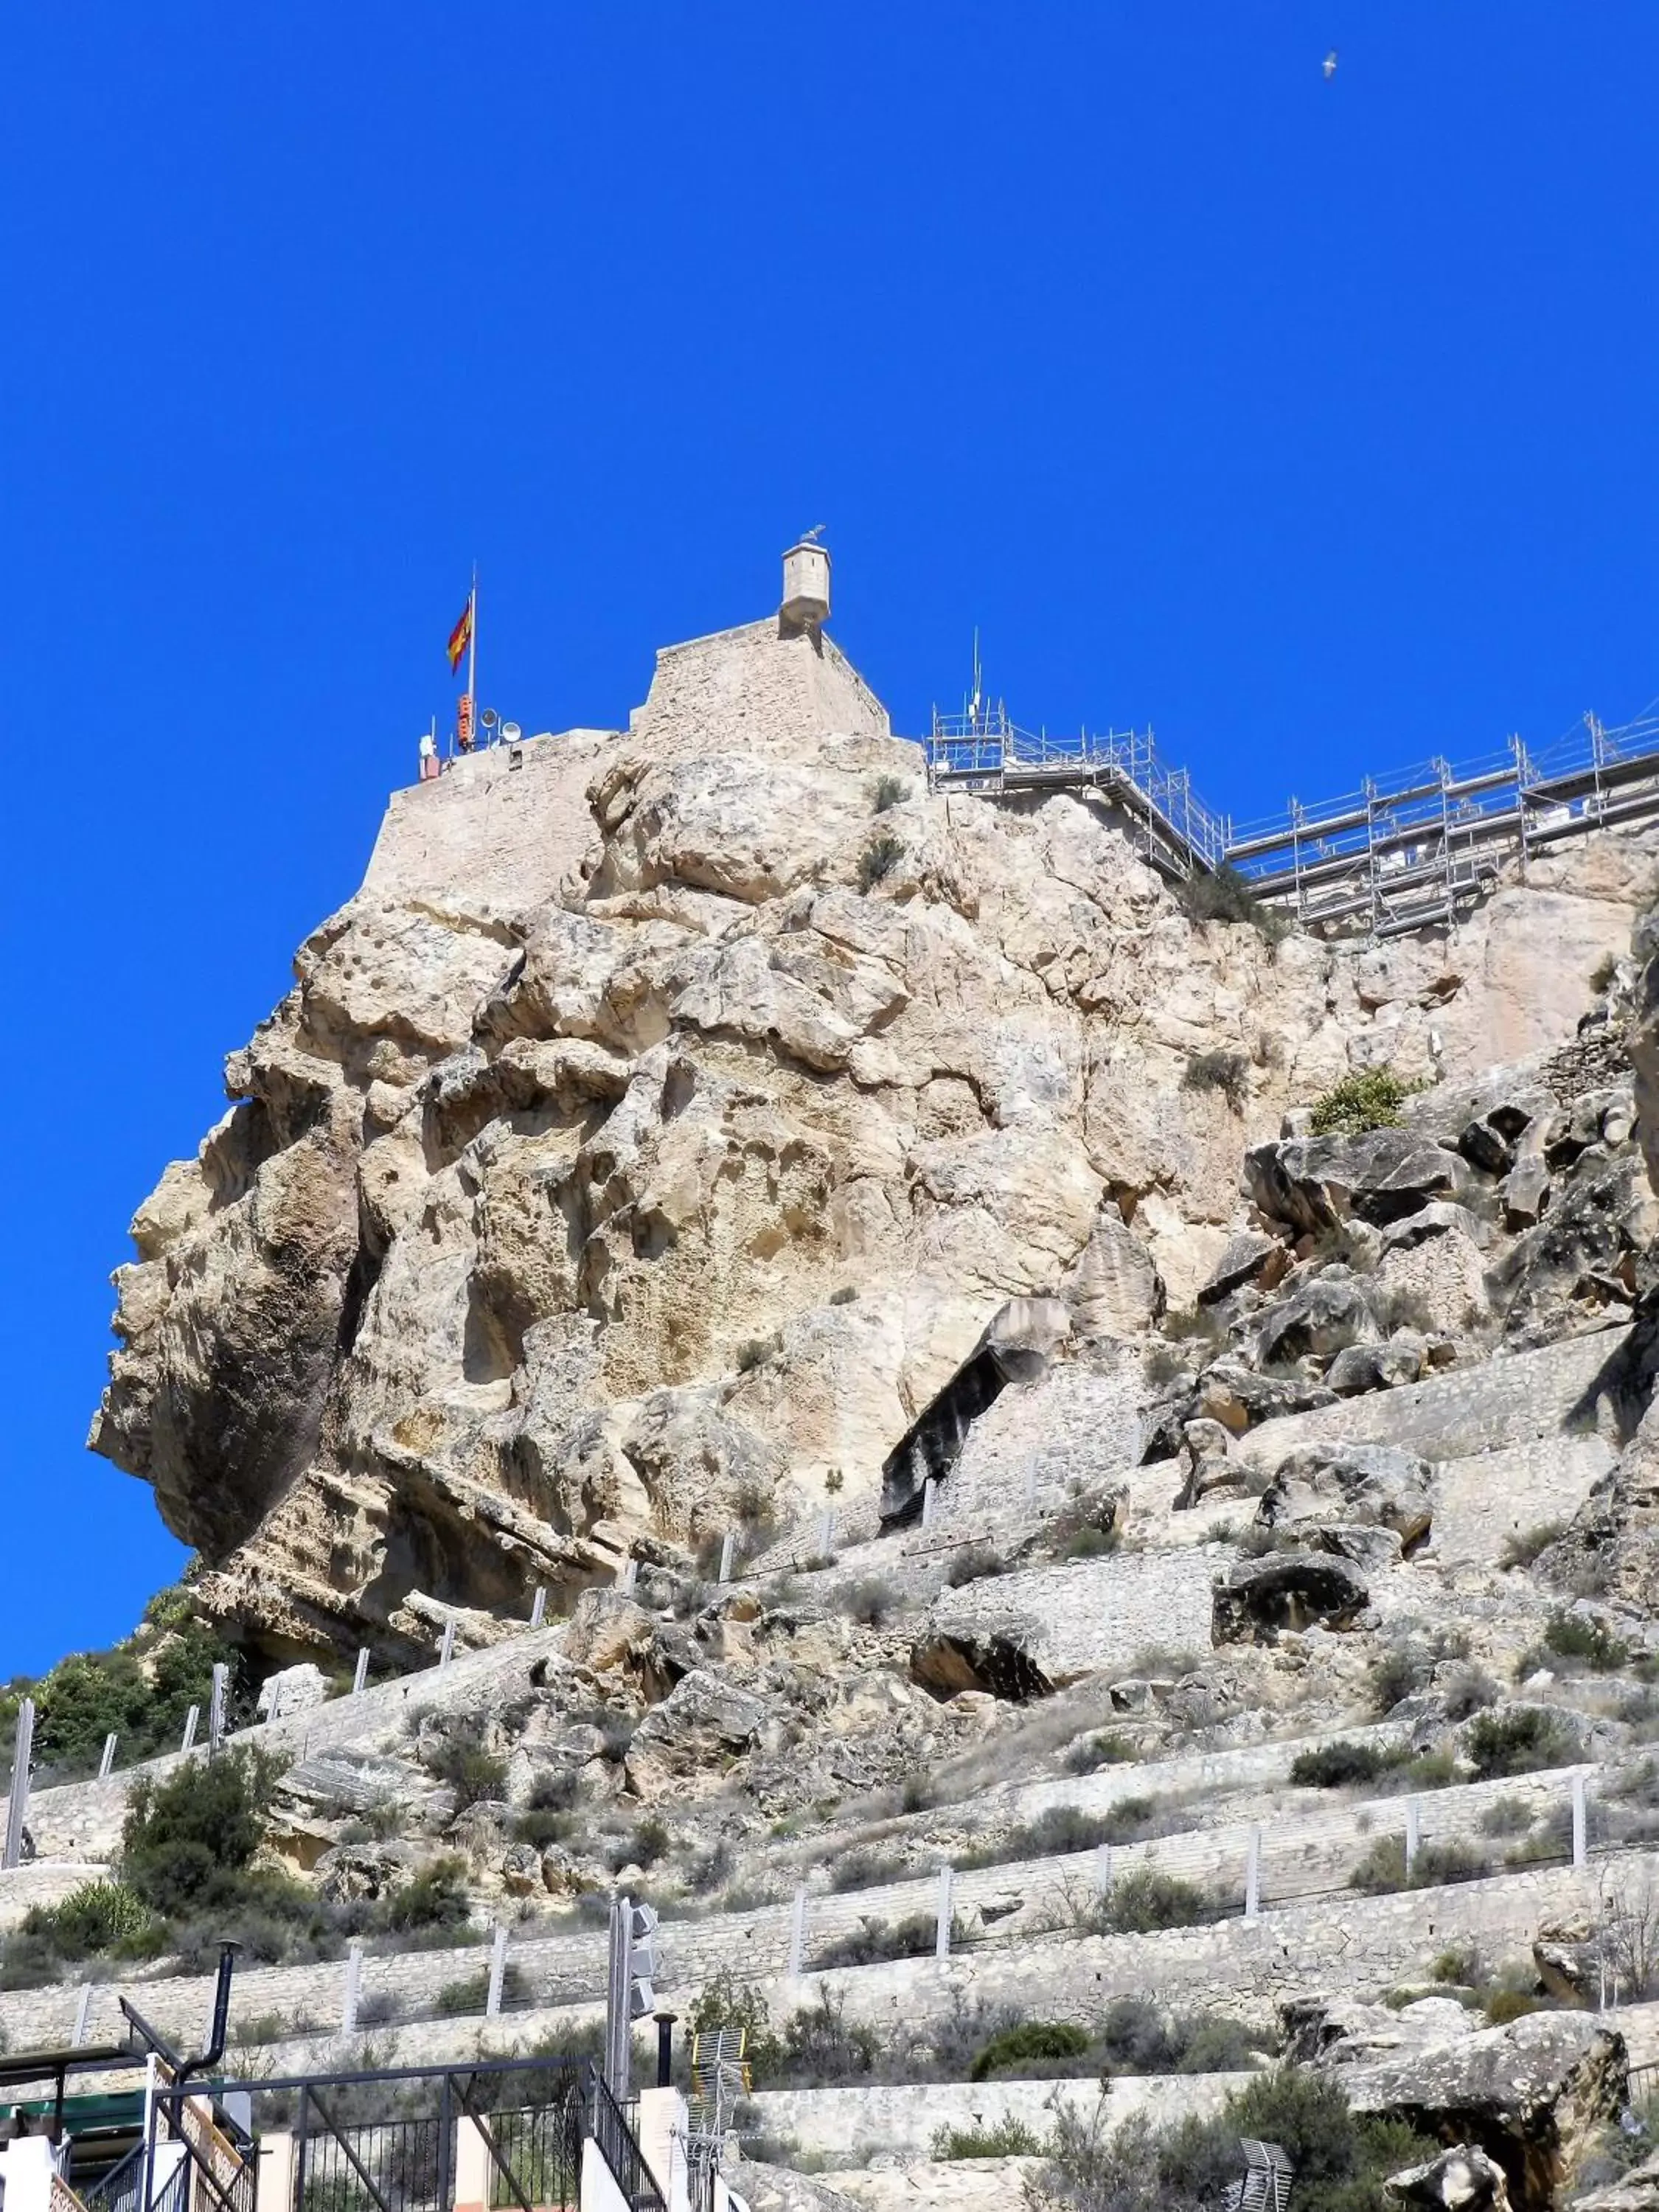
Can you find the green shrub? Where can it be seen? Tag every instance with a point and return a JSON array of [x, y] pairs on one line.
[[974, 1562], [186, 1840], [1104, 1749], [94, 1917], [1028, 2049], [1009, 2138], [1370, 1099], [1229, 1072], [878, 859], [1506, 2005], [464, 1760], [1226, 895], [818, 2047], [1396, 1674], [1523, 1546], [891, 791], [436, 1897], [1341, 2161], [872, 1601], [1581, 1636], [1144, 1900], [1092, 1543], [1524, 1741], [1335, 1766], [1382, 1869], [873, 1941]]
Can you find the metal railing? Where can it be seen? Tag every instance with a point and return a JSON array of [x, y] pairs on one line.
[[1396, 854], [984, 749], [620, 2149], [402, 2165]]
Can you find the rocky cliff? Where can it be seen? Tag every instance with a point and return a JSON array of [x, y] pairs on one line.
[[650, 1142]]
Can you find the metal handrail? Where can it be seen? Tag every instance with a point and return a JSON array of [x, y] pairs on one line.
[[620, 2149]]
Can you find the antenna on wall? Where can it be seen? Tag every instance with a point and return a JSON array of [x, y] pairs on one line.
[[974, 703]]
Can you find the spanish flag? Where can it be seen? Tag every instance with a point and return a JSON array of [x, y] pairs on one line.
[[461, 637]]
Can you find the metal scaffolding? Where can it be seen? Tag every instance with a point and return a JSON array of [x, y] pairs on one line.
[[1395, 856]]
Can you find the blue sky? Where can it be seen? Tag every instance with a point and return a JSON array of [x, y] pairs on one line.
[[1313, 423]]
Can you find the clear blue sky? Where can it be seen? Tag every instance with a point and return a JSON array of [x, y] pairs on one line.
[[1314, 423]]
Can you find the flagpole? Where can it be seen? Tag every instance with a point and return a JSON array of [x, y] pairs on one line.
[[473, 655]]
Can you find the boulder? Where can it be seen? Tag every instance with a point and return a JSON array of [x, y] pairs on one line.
[[1462, 2179], [353, 1874], [1363, 1367], [689, 1741], [945, 1660], [1526, 1193], [1532, 2095], [1635, 2191], [1485, 1148], [1583, 1252], [1113, 1288], [292, 1690], [1326, 1317], [1375, 1485], [1261, 1598], [1250, 1257], [1237, 1397], [1311, 1183], [1333, 2030]]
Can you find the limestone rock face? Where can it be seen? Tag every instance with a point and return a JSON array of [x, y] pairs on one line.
[[646, 1147], [1530, 2095]]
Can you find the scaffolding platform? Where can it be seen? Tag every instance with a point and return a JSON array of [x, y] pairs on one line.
[[1407, 853]]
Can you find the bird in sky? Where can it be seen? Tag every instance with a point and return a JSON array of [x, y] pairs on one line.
[[811, 537], [1329, 66]]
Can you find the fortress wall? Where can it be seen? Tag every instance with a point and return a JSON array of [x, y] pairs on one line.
[[488, 830], [1513, 1400], [1092, 1613], [752, 691]]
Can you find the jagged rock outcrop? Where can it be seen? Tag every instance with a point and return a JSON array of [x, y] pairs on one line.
[[651, 1139]]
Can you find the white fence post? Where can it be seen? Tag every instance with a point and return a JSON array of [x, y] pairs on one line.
[[191, 1720], [447, 1652], [1413, 1832], [942, 1933], [929, 1495], [353, 1976], [360, 1673], [216, 1708], [1579, 1822], [1253, 1872], [728, 1554], [798, 1934], [1104, 1869], [497, 1975], [827, 1533], [82, 2016], [538, 1608], [107, 1764]]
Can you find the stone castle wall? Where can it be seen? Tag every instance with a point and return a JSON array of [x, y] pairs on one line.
[[502, 825]]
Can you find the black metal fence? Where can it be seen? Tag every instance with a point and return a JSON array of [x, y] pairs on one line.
[[620, 2149], [401, 2139]]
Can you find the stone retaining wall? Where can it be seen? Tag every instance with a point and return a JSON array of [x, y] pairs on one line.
[[1512, 1399], [856, 2123], [82, 1820], [1032, 1902]]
